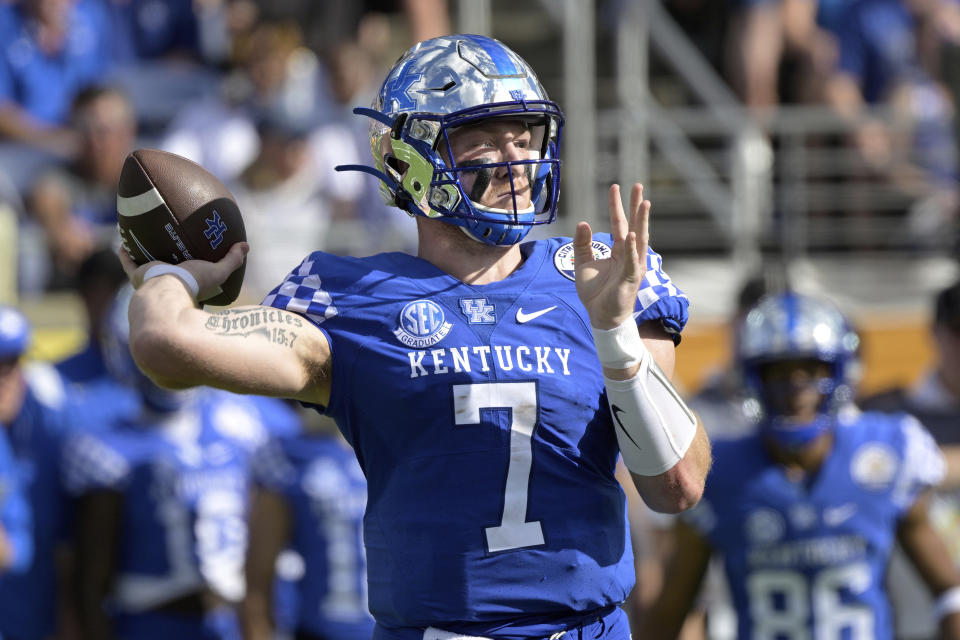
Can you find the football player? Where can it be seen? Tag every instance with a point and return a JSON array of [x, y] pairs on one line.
[[16, 540], [162, 505], [805, 511], [309, 498], [485, 383], [34, 414]]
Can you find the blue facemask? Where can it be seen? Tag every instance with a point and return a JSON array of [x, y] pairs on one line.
[[792, 436]]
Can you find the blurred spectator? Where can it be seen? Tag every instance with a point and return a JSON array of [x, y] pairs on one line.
[[935, 401], [310, 496], [32, 403], [326, 23], [49, 50], [883, 64], [16, 540], [762, 36], [344, 138], [76, 205], [151, 29], [286, 209], [272, 71]]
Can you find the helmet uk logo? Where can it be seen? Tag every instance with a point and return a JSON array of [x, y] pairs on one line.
[[216, 227], [563, 258], [422, 324]]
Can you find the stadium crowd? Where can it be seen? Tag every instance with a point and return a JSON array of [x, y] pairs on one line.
[[104, 477]]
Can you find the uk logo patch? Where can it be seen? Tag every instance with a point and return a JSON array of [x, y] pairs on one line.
[[478, 311], [563, 258], [422, 324], [216, 227]]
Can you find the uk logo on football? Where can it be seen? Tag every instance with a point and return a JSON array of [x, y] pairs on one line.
[[216, 227]]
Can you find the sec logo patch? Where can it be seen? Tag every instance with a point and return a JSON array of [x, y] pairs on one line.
[[563, 258], [422, 324]]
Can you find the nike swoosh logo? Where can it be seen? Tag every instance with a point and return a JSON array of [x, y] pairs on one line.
[[616, 416], [527, 317], [838, 515]]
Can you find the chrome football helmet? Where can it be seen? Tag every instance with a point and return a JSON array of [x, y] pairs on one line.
[[445, 84], [791, 327]]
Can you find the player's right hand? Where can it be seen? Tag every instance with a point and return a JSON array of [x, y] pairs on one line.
[[209, 275]]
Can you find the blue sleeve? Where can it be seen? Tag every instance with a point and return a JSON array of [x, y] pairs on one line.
[[923, 463], [8, 31], [15, 515], [659, 299]]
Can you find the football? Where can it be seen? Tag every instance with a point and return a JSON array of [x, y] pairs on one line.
[[171, 209]]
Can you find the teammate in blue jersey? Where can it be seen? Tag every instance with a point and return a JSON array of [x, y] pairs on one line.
[[34, 418], [16, 536], [805, 512], [310, 497], [96, 398], [485, 383], [162, 504]]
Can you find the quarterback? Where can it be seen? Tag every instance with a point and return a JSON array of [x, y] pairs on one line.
[[487, 385]]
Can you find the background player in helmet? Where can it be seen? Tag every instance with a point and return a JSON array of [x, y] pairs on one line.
[[309, 496], [805, 511], [16, 540], [484, 384], [162, 506]]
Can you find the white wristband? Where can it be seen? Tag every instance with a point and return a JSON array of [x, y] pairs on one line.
[[947, 603], [171, 269], [620, 347]]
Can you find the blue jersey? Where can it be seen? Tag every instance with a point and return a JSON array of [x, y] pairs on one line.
[[478, 415], [96, 399], [806, 558], [184, 477], [326, 492], [15, 516], [44, 83], [28, 599]]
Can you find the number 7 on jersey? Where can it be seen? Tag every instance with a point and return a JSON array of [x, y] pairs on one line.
[[520, 398]]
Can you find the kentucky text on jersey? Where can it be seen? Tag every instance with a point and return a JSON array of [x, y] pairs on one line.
[[551, 360], [819, 552]]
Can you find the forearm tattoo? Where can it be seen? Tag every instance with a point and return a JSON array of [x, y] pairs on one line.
[[274, 325]]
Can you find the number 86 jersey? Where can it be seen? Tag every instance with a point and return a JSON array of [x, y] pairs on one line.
[[477, 414], [806, 558]]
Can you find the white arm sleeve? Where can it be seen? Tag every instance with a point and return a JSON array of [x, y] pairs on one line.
[[654, 427]]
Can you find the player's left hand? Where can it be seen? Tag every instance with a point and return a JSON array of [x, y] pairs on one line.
[[608, 287]]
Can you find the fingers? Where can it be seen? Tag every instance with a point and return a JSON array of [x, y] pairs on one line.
[[234, 258], [129, 266], [640, 224], [582, 239], [618, 221]]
